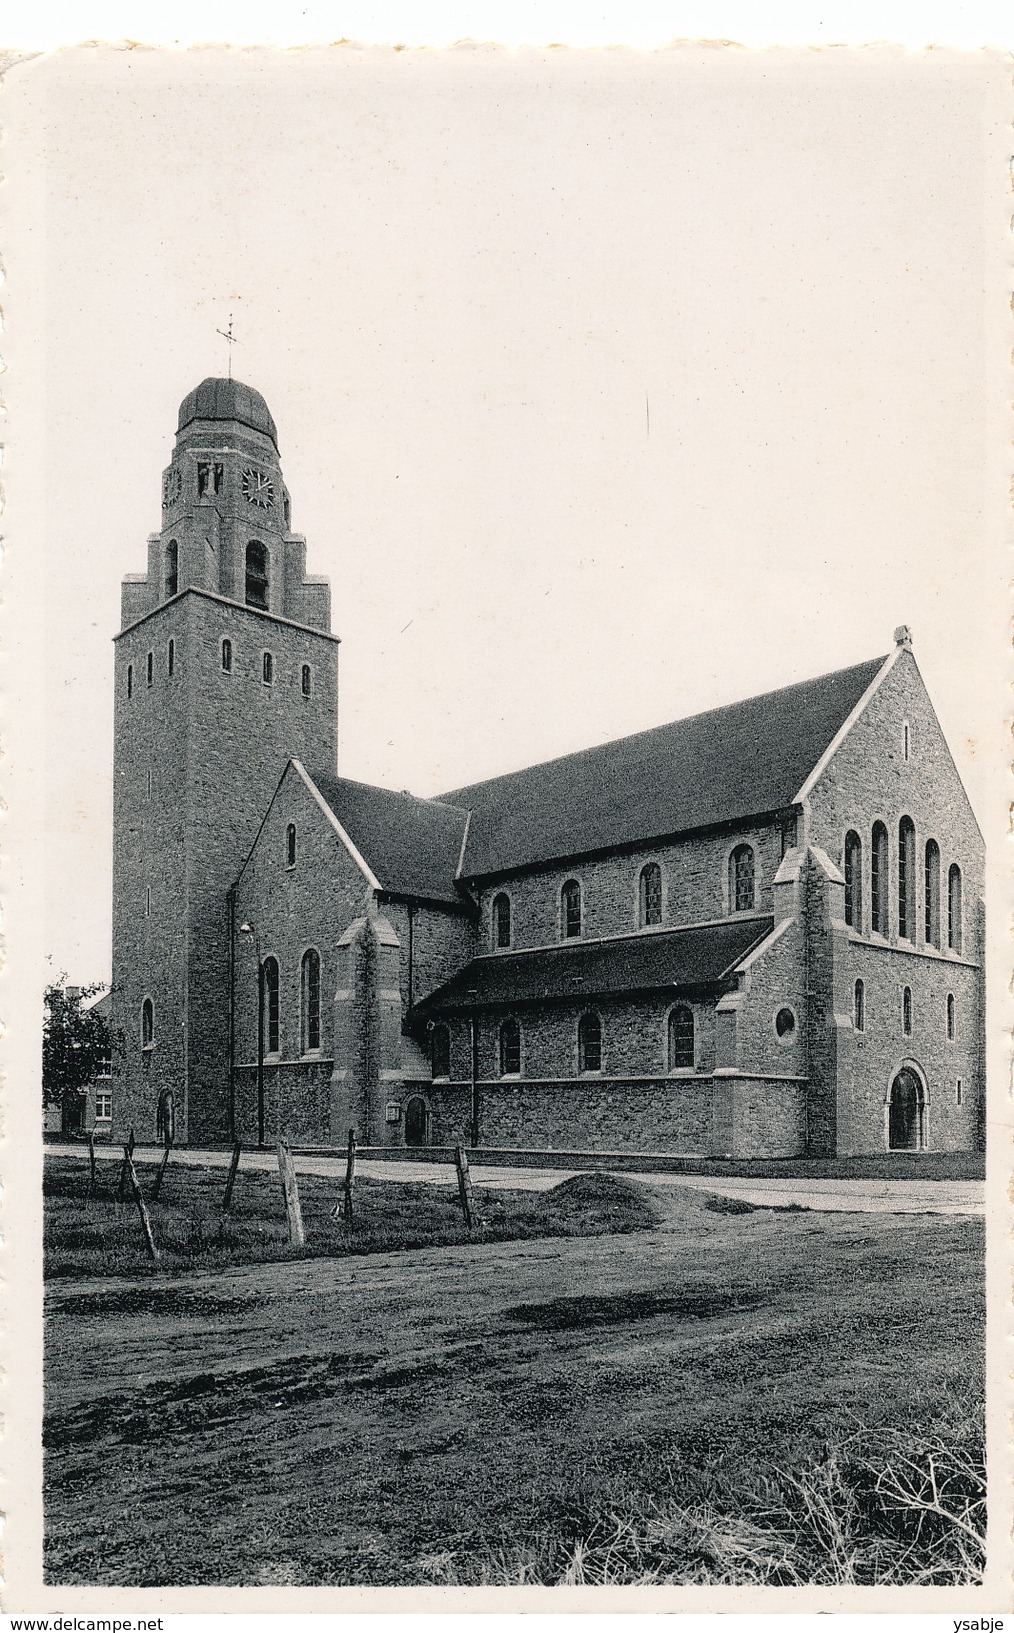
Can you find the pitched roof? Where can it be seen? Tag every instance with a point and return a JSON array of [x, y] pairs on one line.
[[412, 845], [702, 956], [728, 764]]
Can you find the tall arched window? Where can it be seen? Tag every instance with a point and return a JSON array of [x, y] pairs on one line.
[[854, 881], [589, 1043], [510, 1049], [305, 680], [906, 878], [570, 909], [879, 880], [650, 894], [931, 889], [290, 845], [147, 1024], [227, 656], [741, 879], [257, 575], [906, 1011], [859, 1007], [954, 908], [309, 986], [501, 920], [269, 1006], [681, 1039], [172, 568], [950, 1017], [440, 1051]]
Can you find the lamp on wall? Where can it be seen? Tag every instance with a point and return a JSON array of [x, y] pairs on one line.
[[247, 929]]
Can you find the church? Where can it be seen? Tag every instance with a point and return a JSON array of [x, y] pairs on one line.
[[757, 932]]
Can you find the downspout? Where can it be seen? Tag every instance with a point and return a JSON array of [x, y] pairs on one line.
[[232, 1012], [474, 1118], [411, 938]]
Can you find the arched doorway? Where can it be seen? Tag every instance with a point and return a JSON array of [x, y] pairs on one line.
[[906, 1115], [416, 1120]]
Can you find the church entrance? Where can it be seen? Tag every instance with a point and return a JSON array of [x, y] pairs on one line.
[[416, 1118], [906, 1121]]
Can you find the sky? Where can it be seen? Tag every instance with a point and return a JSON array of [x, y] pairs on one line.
[[609, 386]]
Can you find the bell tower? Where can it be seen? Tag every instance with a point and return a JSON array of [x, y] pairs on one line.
[[225, 668]]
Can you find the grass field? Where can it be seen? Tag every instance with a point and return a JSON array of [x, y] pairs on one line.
[[727, 1397]]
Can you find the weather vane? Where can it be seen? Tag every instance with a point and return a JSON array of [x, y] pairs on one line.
[[228, 335]]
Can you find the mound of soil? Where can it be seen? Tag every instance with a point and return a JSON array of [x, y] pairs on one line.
[[619, 1204]]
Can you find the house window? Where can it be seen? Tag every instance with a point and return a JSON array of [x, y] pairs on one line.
[[172, 568], [269, 1006], [570, 900], [510, 1049], [104, 1106], [741, 879], [906, 1011], [440, 1051], [305, 680], [310, 1001], [589, 1043], [290, 845], [878, 880], [130, 680], [854, 881], [954, 908], [171, 665], [950, 1017], [931, 882], [147, 1024], [151, 668], [501, 920], [650, 894], [859, 1007], [267, 669], [906, 878], [681, 1039], [257, 575], [227, 656]]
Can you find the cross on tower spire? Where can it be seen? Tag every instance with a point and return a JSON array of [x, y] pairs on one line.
[[228, 335]]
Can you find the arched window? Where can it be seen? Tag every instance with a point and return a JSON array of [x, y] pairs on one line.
[[954, 908], [130, 680], [950, 1017], [878, 880], [906, 878], [267, 669], [290, 845], [510, 1049], [681, 1039], [931, 886], [650, 894], [859, 1007], [570, 909], [172, 568], [305, 680], [257, 575], [151, 668], [269, 1006], [854, 881], [171, 663], [589, 1043], [501, 920], [147, 1024], [906, 1011], [440, 1051], [309, 987], [741, 879], [227, 656]]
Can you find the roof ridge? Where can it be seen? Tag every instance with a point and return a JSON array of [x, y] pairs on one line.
[[396, 793]]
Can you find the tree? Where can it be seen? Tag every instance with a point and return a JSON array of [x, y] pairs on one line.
[[76, 1043]]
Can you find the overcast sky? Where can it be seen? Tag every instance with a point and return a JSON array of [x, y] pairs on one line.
[[608, 387]]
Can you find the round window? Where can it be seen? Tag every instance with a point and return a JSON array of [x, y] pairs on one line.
[[785, 1023]]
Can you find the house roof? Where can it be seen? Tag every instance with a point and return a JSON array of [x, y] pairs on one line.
[[723, 766], [702, 956], [412, 846]]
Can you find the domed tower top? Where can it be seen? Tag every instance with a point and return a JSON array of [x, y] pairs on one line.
[[216, 399]]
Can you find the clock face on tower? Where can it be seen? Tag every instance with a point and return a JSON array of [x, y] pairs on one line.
[[171, 487], [258, 488]]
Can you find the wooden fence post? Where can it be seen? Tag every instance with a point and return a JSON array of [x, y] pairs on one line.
[[142, 1210], [92, 1178], [290, 1191], [128, 1152], [160, 1173], [465, 1187], [350, 1178], [230, 1182]]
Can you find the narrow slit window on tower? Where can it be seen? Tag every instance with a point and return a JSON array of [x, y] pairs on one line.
[[147, 1024], [878, 880], [954, 908], [151, 668], [147, 901], [172, 568], [310, 994], [130, 680], [906, 1011], [257, 575], [950, 1017], [268, 669], [227, 656], [854, 881], [906, 741], [957, 1091], [171, 658], [305, 680], [290, 845], [859, 1014]]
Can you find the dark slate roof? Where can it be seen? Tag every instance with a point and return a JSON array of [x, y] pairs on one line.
[[216, 399], [412, 845], [684, 959], [723, 766]]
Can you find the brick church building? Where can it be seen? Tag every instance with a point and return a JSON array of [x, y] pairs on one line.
[[754, 932]]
